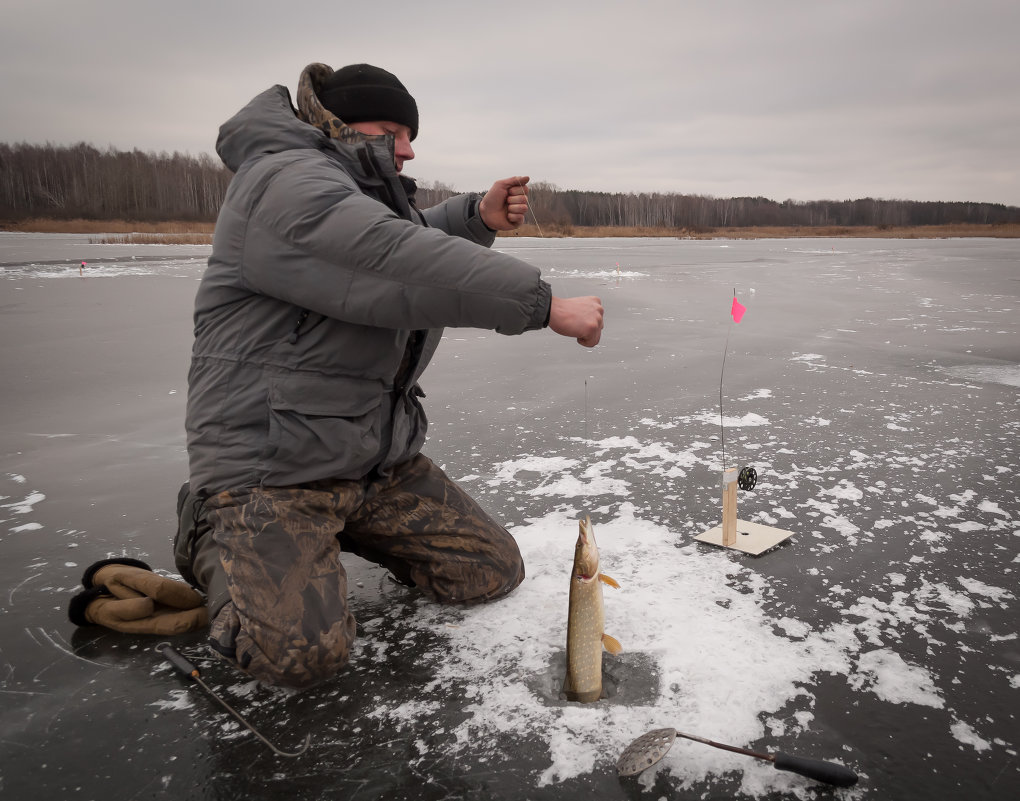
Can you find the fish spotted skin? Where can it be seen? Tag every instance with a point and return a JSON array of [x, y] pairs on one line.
[[586, 621]]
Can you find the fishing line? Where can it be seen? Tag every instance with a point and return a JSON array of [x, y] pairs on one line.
[[533, 215], [586, 409], [541, 234], [722, 372], [748, 476]]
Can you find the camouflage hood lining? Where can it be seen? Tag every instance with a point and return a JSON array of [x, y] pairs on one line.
[[311, 110]]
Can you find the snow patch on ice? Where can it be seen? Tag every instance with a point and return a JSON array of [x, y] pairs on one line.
[[844, 490], [751, 419], [539, 464], [179, 699], [895, 680], [992, 508], [965, 734], [597, 273], [975, 587], [25, 506], [987, 374]]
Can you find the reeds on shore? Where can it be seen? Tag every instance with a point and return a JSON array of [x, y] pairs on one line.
[[122, 232], [151, 239]]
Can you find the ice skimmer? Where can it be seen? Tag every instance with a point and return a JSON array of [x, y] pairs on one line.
[[649, 748], [185, 668]]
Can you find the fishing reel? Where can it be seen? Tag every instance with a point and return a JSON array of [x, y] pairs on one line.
[[747, 478]]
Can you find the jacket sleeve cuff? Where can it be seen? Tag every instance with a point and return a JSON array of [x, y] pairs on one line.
[[476, 211], [540, 316], [479, 231]]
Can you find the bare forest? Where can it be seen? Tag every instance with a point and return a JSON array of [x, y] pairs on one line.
[[82, 182]]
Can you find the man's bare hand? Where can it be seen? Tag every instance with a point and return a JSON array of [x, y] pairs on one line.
[[505, 205], [580, 318]]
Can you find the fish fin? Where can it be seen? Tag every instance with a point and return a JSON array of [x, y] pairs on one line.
[[611, 644], [610, 581]]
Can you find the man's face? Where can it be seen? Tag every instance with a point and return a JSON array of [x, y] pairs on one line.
[[402, 150]]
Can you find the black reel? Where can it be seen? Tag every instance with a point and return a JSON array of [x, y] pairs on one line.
[[747, 478]]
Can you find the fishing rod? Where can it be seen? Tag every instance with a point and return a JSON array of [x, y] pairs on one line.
[[185, 668], [649, 748]]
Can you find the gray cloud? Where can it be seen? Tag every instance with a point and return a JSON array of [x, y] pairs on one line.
[[794, 99]]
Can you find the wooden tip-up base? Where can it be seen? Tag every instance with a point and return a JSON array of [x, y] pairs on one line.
[[752, 538], [741, 535]]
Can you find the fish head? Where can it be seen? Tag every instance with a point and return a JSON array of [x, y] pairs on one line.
[[586, 552]]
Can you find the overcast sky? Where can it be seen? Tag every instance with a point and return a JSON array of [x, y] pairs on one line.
[[801, 99]]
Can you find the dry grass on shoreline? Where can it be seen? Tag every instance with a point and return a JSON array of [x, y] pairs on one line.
[[46, 225], [126, 232], [122, 232]]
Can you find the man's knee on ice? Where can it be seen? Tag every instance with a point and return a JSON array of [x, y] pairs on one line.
[[478, 582], [285, 658]]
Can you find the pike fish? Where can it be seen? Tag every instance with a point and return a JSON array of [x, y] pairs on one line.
[[585, 621]]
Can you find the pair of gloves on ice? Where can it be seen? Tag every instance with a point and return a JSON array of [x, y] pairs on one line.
[[125, 595]]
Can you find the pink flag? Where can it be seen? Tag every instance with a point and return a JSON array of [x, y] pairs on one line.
[[737, 310]]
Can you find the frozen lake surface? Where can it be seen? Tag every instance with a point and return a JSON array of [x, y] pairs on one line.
[[873, 385]]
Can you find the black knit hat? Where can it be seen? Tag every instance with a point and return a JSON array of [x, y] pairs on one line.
[[363, 93]]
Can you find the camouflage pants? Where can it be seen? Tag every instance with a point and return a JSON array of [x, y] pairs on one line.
[[287, 620]]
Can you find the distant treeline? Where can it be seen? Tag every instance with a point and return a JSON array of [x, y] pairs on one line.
[[83, 182], [694, 213]]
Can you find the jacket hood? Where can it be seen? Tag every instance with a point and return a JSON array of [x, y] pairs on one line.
[[268, 124], [271, 124]]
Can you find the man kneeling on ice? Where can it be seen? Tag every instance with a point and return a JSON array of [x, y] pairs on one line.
[[324, 300]]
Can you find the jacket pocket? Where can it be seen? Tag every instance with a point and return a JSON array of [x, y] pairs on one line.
[[321, 427]]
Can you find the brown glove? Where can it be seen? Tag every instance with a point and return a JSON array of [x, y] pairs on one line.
[[125, 595]]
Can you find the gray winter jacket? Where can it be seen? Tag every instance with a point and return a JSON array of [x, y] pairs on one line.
[[324, 300]]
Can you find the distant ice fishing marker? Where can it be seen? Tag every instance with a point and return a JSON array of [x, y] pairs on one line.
[[740, 535]]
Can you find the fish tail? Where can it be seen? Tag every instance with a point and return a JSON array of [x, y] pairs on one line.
[[611, 644]]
